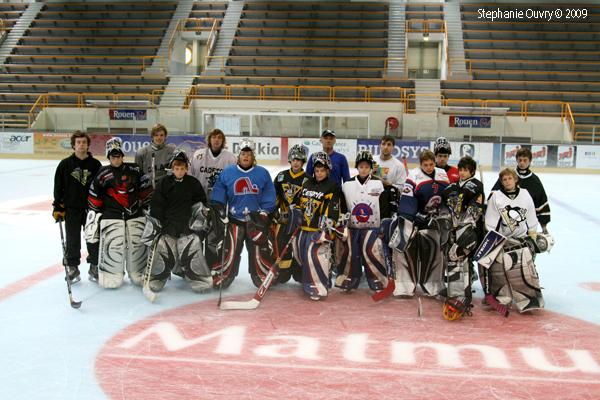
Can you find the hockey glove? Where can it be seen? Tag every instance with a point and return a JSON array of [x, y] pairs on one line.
[[92, 227], [201, 218], [295, 216], [58, 213]]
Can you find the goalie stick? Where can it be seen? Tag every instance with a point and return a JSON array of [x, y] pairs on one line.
[[265, 285], [150, 295], [74, 304]]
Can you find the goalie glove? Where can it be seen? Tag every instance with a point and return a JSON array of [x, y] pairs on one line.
[[201, 218], [258, 227], [92, 227]]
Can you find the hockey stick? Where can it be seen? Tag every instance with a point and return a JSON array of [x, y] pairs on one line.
[[74, 304], [225, 234], [150, 295], [265, 285]]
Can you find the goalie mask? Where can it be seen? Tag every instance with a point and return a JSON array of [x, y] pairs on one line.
[[364, 155], [114, 146], [297, 152], [246, 145], [442, 146], [320, 157], [178, 155]]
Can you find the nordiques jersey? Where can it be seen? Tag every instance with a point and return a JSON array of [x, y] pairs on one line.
[[422, 193], [362, 200], [511, 214], [287, 185], [317, 199], [244, 191], [206, 168]]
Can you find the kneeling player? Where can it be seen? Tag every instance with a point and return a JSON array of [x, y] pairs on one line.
[[366, 201], [177, 248], [115, 203], [287, 184], [244, 198], [464, 199], [421, 262], [509, 273], [318, 205]]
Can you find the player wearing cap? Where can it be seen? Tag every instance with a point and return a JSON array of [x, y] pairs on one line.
[[340, 172]]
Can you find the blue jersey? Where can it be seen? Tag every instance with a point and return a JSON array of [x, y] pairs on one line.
[[244, 191], [340, 172], [422, 193]]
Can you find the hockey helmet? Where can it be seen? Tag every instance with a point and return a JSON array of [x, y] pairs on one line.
[[442, 146], [178, 155], [297, 152], [364, 155], [114, 145], [246, 144], [320, 157]]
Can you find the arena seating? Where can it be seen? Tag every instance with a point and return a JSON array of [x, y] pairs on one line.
[[84, 48], [331, 50], [515, 61]]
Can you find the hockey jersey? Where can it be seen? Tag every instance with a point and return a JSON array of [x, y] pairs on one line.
[[340, 172], [452, 173], [162, 155], [511, 214], [364, 201], [244, 191], [530, 181], [118, 192], [287, 185], [317, 200], [464, 197], [172, 203], [206, 167], [422, 193], [391, 171], [72, 181]]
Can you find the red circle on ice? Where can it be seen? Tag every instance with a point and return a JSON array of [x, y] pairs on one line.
[[593, 286], [349, 347]]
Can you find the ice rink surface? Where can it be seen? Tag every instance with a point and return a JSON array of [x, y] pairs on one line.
[[120, 346]]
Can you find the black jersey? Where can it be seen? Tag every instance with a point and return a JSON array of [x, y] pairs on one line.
[[530, 181], [287, 185], [318, 199], [72, 181], [118, 192], [465, 196], [172, 203]]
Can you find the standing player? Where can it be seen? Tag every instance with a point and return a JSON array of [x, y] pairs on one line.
[[207, 163], [72, 182], [421, 263], [512, 275], [530, 181], [464, 199], [154, 158], [391, 171], [340, 172], [367, 203], [442, 151], [287, 184], [244, 196], [318, 207], [178, 245], [115, 200]]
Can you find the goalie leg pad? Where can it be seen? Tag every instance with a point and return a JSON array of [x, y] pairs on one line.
[[374, 260], [261, 259], [523, 279], [193, 264], [233, 249], [459, 278], [399, 233], [348, 261], [431, 262], [405, 270], [137, 252], [488, 250], [111, 259], [316, 264], [498, 284]]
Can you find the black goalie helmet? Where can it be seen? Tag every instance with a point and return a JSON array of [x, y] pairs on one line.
[[179, 155], [364, 155], [442, 146], [114, 146]]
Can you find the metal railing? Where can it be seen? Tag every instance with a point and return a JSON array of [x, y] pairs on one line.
[[425, 26]]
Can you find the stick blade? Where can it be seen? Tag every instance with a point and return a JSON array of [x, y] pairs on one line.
[[150, 295], [420, 308], [76, 304], [386, 292], [240, 305]]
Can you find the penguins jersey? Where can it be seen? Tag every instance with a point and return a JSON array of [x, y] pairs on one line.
[[244, 191], [205, 167], [465, 199], [318, 199], [512, 214], [422, 193], [287, 185], [362, 200]]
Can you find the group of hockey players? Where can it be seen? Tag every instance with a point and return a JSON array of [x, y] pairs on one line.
[[408, 232]]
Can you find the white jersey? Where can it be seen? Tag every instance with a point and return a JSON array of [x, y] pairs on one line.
[[391, 171], [362, 200], [511, 217], [206, 168]]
